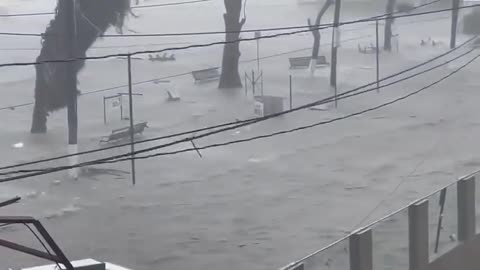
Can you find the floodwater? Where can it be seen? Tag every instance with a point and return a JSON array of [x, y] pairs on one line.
[[254, 205]]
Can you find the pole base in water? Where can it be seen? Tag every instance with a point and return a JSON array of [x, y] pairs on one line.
[[313, 66], [72, 161], [333, 91]]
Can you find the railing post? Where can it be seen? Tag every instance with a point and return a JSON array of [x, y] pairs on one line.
[[418, 235], [361, 256], [466, 208]]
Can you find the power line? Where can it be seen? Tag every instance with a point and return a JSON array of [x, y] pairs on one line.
[[100, 47], [9, 202], [116, 159], [412, 9], [260, 119], [223, 42], [370, 225], [13, 107], [134, 7], [397, 186], [26, 14], [378, 17], [165, 5], [300, 128], [223, 125], [271, 29], [170, 4], [51, 170]]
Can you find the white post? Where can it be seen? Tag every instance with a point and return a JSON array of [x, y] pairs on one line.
[[73, 161]]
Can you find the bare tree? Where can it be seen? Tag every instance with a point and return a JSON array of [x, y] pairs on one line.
[[315, 28], [94, 17], [388, 25], [230, 77]]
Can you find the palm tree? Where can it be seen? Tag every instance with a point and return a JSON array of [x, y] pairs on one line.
[[93, 18]]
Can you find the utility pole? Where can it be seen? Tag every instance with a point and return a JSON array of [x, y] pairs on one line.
[[71, 85], [132, 134], [453, 37], [335, 45], [258, 35]]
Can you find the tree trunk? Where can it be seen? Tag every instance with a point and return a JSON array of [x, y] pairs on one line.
[[94, 17], [230, 77], [315, 29], [387, 46]]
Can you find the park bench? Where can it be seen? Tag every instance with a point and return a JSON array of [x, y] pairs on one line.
[[173, 95], [206, 75], [367, 49], [431, 42], [304, 62], [123, 133]]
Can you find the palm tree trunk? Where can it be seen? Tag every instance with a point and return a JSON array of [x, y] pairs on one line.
[[230, 77], [94, 17]]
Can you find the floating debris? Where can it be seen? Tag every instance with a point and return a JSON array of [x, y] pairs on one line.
[[18, 145], [92, 173]]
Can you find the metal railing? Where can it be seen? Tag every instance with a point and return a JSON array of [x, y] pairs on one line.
[[411, 237]]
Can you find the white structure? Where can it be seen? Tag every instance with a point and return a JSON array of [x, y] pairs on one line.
[[87, 264]]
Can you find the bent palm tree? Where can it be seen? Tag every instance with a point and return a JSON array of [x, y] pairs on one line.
[[93, 18]]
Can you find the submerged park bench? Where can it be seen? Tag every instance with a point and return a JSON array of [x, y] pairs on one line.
[[304, 62], [206, 75], [367, 49], [123, 133]]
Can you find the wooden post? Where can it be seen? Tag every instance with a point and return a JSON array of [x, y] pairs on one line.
[[253, 82], [361, 250], [258, 35], [120, 98], [466, 208], [104, 112], [132, 132], [261, 82], [378, 56], [258, 55], [291, 106], [453, 37], [246, 85], [418, 235]]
